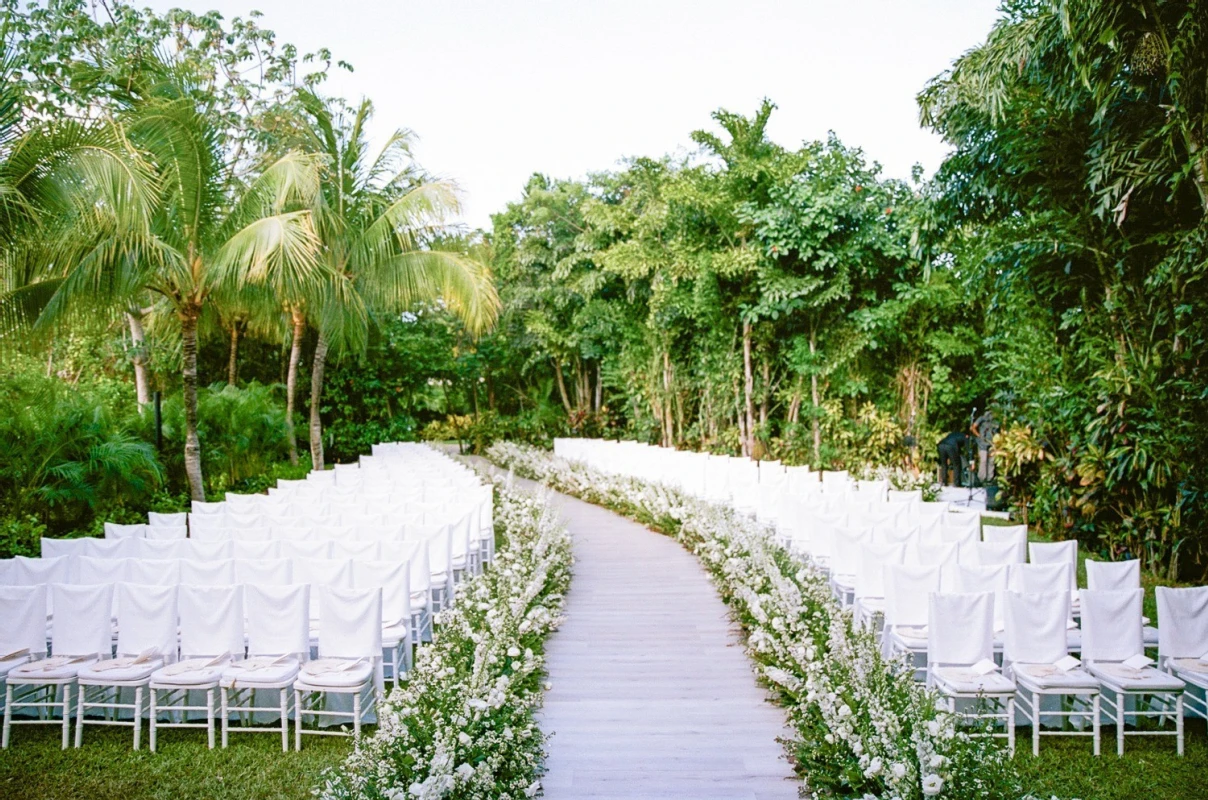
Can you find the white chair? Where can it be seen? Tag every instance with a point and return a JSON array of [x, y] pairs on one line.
[[208, 573], [208, 533], [1034, 655], [963, 529], [1183, 640], [356, 550], [57, 548], [960, 658], [146, 640], [1065, 552], [1016, 534], [908, 588], [114, 530], [946, 556], [869, 588], [108, 548], [33, 571], [904, 495], [22, 626], [845, 558], [278, 636], [993, 578], [263, 571], [1113, 650], [81, 635], [246, 521], [349, 663], [156, 519], [200, 508], [211, 632], [319, 572], [393, 578]]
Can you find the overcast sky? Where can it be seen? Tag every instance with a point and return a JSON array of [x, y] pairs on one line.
[[499, 90]]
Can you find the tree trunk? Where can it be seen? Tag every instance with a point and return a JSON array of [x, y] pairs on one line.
[[748, 390], [562, 386], [668, 411], [233, 358], [291, 380], [188, 336], [316, 395], [795, 404], [142, 383], [765, 392], [599, 399], [815, 399]]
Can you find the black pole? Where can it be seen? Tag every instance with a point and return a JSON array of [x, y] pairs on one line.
[[159, 424]]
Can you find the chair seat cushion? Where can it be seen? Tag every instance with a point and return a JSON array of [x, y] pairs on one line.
[[260, 671], [119, 670], [910, 637], [965, 681], [12, 663], [1191, 670], [393, 634], [419, 600], [1136, 680], [190, 672], [333, 673], [55, 668], [1046, 676]]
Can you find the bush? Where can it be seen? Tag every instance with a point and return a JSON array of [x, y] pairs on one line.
[[21, 536]]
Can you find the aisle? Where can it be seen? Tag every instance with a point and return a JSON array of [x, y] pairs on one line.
[[652, 694]]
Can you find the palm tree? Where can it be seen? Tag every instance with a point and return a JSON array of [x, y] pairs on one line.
[[208, 231], [378, 220]]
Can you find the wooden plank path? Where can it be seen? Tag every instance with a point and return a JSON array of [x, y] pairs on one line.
[[653, 696]]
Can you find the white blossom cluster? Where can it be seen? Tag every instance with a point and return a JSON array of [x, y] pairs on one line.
[[863, 727], [462, 724]]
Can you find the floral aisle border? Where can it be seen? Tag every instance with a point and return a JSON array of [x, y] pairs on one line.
[[863, 727], [462, 725]]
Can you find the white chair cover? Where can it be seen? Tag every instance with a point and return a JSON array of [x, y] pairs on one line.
[[153, 571], [1018, 534], [350, 623], [83, 614], [219, 572], [961, 528], [1113, 576], [392, 577], [319, 572], [1111, 625], [179, 519], [1040, 578], [174, 532], [278, 620], [1036, 626], [994, 579], [1057, 553], [316, 549], [150, 548], [1182, 622], [870, 569], [211, 551], [23, 620], [114, 530], [55, 548], [960, 629], [211, 621], [241, 549], [988, 554], [908, 589], [264, 571], [147, 619]]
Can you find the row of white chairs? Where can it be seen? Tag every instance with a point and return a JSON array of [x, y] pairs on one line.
[[1114, 675], [175, 645]]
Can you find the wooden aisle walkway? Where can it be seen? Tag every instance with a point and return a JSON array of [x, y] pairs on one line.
[[652, 694]]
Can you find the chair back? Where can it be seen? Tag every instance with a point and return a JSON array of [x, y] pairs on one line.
[[83, 619], [1111, 625], [156, 519], [1057, 553], [264, 571], [278, 620], [393, 578], [242, 548], [1182, 622], [1016, 534], [1113, 576], [994, 579], [211, 621], [146, 620], [350, 623], [23, 619], [870, 580], [219, 572], [115, 530], [1036, 626], [960, 629], [154, 571], [907, 591]]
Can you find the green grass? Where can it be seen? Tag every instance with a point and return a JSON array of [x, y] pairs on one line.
[[106, 768], [1150, 767]]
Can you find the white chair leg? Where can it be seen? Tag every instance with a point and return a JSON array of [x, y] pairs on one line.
[[1119, 725], [226, 715], [8, 715], [297, 720], [210, 717], [1178, 722], [284, 722], [1035, 723], [1011, 725], [80, 706], [356, 714], [66, 714], [154, 717], [1095, 724]]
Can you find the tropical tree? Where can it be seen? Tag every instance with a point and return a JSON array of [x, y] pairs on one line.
[[378, 220], [206, 229]]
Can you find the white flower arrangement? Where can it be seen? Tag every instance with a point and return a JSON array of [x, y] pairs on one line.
[[864, 728], [462, 724]]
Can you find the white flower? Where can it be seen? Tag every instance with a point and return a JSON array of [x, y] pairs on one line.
[[899, 771], [464, 770], [464, 738], [874, 767], [513, 651], [932, 785], [532, 789]]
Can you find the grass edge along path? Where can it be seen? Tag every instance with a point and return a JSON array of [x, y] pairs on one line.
[[811, 658]]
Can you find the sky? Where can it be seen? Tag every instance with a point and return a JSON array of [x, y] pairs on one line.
[[496, 91]]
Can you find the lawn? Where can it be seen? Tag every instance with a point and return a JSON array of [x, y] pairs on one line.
[[106, 768]]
